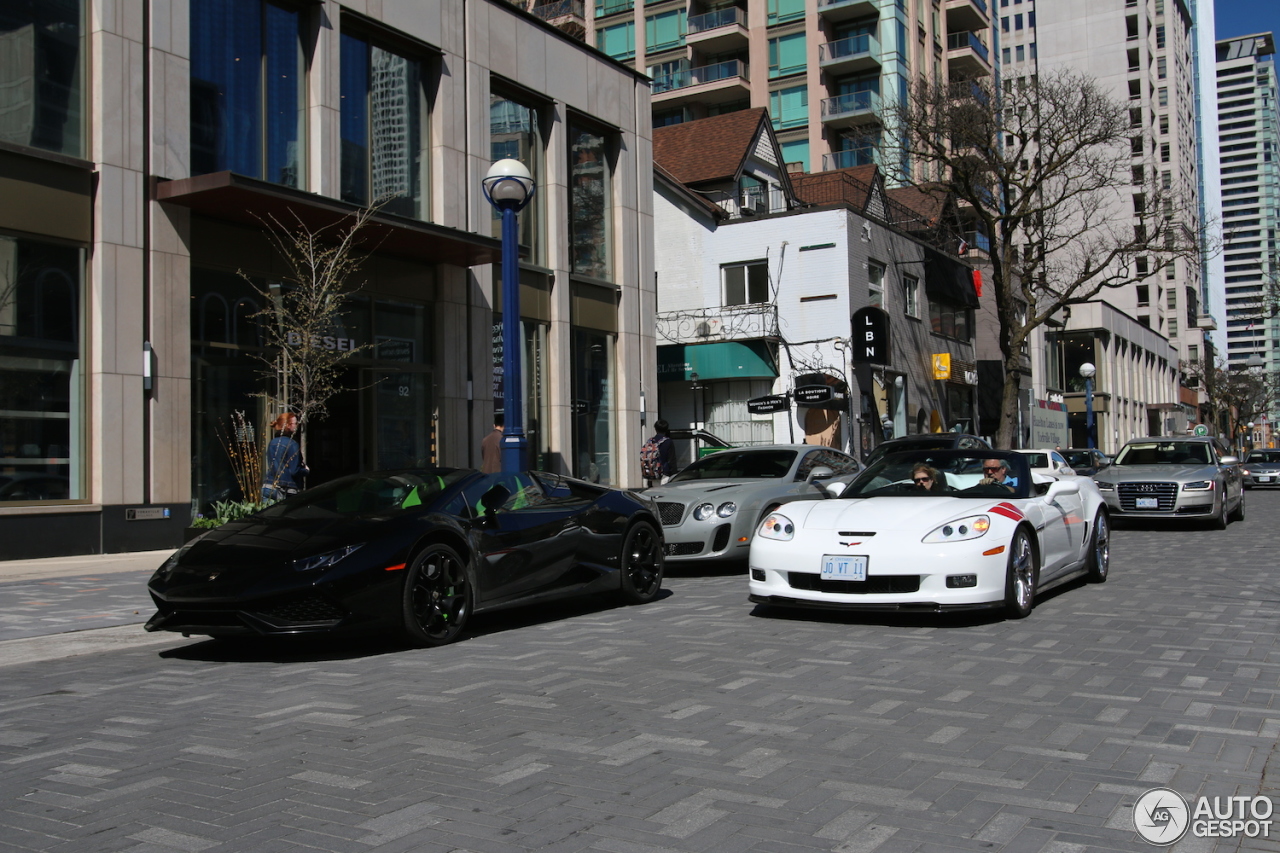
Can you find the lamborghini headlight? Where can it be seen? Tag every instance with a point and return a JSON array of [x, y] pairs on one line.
[[777, 527], [1198, 486], [321, 561], [957, 531]]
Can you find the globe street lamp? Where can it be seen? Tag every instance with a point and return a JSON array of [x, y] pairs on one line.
[[1087, 370], [508, 187]]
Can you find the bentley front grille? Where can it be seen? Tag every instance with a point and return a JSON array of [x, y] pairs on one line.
[[1165, 495], [682, 549], [875, 585], [670, 513]]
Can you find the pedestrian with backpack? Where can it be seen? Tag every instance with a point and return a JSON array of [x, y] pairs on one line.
[[658, 456]]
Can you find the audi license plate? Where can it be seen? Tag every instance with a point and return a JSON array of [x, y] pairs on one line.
[[1148, 503], [843, 568]]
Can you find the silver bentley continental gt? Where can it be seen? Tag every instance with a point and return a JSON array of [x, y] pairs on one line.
[[710, 509], [1183, 477]]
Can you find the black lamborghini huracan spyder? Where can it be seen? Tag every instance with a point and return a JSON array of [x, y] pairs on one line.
[[414, 551]]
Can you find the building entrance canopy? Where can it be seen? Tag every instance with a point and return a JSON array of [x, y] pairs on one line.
[[725, 360]]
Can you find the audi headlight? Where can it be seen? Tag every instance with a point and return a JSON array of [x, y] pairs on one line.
[[322, 561], [704, 511], [726, 509], [958, 531], [1198, 486], [1104, 486], [777, 527]]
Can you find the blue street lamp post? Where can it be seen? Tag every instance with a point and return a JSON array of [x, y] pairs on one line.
[[1087, 370], [508, 187]]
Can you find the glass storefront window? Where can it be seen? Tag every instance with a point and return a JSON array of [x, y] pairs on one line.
[[248, 90], [533, 370], [593, 404], [383, 127], [41, 384], [42, 60], [590, 204], [514, 133]]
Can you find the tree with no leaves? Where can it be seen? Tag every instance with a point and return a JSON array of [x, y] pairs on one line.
[[1235, 395], [1048, 170], [303, 318]]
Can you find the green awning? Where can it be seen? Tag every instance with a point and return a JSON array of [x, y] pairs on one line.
[[726, 360]]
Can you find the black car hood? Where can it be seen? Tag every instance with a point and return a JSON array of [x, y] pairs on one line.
[[257, 542]]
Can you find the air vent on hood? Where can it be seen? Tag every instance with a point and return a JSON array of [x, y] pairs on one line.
[[857, 533]]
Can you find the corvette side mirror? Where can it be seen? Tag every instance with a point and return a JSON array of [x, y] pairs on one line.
[[1062, 487]]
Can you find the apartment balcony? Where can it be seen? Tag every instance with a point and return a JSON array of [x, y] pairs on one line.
[[707, 84], [856, 108], [728, 323], [569, 16], [604, 8], [856, 53], [721, 31], [967, 15], [865, 156], [967, 56], [844, 10]]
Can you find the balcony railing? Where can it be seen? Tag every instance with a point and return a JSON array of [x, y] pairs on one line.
[[612, 7], [848, 159], [714, 20], [733, 322], [701, 74], [561, 9], [959, 41], [852, 103], [849, 47]]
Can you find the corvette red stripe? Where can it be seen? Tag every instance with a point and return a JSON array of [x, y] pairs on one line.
[[1008, 510]]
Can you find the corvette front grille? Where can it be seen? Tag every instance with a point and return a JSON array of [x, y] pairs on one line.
[[875, 585], [1165, 493], [670, 513]]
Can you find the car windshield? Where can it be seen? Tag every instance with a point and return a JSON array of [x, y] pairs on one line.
[[1164, 453], [942, 442], [944, 473], [369, 494], [1257, 456], [739, 464], [1079, 458], [1037, 460]]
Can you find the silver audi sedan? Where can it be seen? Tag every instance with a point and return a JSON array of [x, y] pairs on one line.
[[1191, 477], [1263, 469], [711, 508]]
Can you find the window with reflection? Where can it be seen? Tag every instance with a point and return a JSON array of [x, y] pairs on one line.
[[41, 377], [515, 133], [383, 127], [248, 90], [42, 74], [590, 203]]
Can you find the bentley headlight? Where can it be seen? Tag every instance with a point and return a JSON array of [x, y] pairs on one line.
[[726, 509], [1104, 486], [704, 511], [778, 527], [960, 530], [1198, 486], [321, 561]]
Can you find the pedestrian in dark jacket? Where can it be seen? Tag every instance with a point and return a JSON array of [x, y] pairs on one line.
[[285, 469]]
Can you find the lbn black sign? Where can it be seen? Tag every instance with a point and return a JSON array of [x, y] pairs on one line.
[[871, 336]]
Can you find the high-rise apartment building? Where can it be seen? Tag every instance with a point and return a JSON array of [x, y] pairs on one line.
[[1249, 140], [825, 70]]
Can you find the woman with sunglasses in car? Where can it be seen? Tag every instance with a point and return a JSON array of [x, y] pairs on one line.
[[925, 477]]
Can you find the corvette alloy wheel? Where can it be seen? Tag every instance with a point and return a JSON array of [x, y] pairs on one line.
[[1099, 559], [1020, 579]]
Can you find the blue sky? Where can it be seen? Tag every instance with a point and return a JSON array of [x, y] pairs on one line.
[[1245, 17]]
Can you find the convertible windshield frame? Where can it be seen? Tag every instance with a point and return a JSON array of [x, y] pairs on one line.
[[960, 473], [371, 493]]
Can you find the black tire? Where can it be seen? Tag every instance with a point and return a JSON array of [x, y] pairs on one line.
[[1099, 559], [438, 597], [1021, 577], [1220, 521], [1238, 515], [641, 564]]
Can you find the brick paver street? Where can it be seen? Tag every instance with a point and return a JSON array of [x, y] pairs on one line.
[[694, 723]]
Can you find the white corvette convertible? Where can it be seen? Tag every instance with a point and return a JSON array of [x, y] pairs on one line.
[[933, 531]]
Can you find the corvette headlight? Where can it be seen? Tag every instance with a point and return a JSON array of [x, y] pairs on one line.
[[777, 527], [726, 509], [1198, 486], [321, 561], [704, 511], [958, 531], [1104, 486]]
